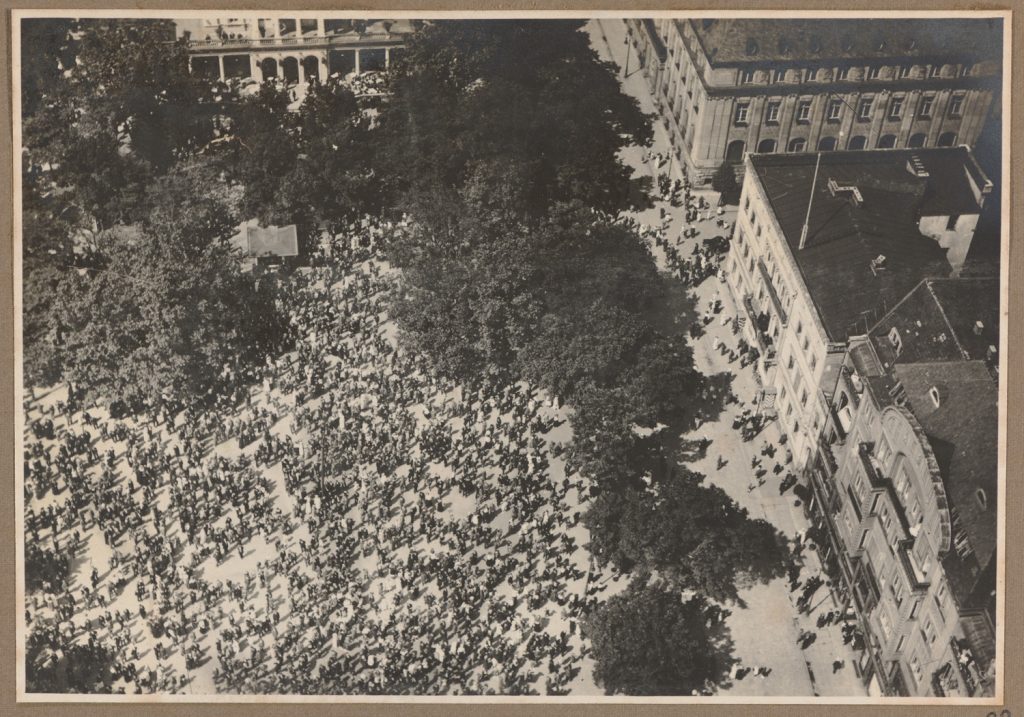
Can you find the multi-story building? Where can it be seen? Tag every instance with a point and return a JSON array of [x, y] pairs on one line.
[[728, 87], [905, 489], [296, 50], [826, 243]]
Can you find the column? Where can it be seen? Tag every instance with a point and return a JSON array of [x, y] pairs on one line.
[[849, 119], [787, 117], [220, 66], [755, 118], [320, 27], [819, 109], [939, 108], [909, 112], [302, 73], [358, 71], [387, 57], [253, 67], [877, 117]]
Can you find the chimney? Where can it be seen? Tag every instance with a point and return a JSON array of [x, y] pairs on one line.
[[978, 328]]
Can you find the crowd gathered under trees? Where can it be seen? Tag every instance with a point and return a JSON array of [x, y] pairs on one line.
[[496, 150]]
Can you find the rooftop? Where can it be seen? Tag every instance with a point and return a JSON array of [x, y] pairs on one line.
[[942, 320], [866, 205], [963, 433], [256, 241], [750, 40]]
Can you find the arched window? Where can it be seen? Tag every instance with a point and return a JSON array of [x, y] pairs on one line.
[[827, 144], [887, 141], [858, 142], [797, 144], [766, 146], [290, 66], [269, 68], [917, 140], [734, 152], [947, 139], [311, 68]]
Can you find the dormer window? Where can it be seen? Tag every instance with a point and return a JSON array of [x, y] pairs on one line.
[[895, 340], [982, 498], [933, 393]]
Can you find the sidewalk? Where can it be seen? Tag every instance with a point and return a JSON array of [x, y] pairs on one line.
[[765, 632]]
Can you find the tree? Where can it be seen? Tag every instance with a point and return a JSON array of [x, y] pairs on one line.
[[692, 535], [472, 91], [167, 310], [649, 641], [723, 181]]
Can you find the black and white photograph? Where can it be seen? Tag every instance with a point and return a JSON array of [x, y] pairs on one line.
[[480, 356]]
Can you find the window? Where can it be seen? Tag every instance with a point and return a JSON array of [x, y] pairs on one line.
[[803, 398], [966, 69], [904, 71], [925, 110], [981, 498], [873, 72], [778, 76], [917, 668], [771, 113], [897, 588], [858, 142], [741, 113], [887, 141], [814, 362], [933, 393], [895, 108], [799, 328], [885, 623], [835, 110], [951, 222], [864, 109], [766, 146], [934, 70], [746, 77], [803, 111], [956, 106], [900, 643], [797, 144], [791, 363], [928, 631], [844, 73], [915, 609]]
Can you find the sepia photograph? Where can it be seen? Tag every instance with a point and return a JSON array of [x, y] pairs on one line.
[[490, 356]]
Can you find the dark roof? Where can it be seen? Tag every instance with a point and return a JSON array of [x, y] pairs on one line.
[[963, 432], [256, 241], [749, 40], [844, 238], [937, 322]]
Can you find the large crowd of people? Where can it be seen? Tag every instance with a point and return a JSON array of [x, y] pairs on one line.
[[349, 524]]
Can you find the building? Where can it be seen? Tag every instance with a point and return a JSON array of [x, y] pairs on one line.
[[905, 488], [295, 50], [265, 245], [728, 87], [827, 243]]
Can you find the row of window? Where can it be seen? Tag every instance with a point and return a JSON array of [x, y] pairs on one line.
[[834, 109], [846, 74], [857, 142]]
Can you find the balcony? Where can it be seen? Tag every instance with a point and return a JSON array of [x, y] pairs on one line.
[[652, 34], [916, 579], [829, 454], [871, 468], [294, 40], [776, 302], [764, 341]]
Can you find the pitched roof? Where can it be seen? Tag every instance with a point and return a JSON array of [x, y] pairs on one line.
[[844, 236], [963, 433], [256, 241], [938, 321], [761, 40]]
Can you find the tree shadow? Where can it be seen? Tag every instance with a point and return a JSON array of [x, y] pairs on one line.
[[640, 189]]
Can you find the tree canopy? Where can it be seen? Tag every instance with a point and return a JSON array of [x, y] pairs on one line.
[[691, 534], [649, 641]]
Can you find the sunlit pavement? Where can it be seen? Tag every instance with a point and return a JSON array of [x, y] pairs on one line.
[[765, 631]]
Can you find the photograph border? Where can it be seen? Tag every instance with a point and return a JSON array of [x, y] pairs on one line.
[[1008, 369]]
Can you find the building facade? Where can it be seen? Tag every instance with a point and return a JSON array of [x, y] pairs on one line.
[[724, 88], [905, 491], [294, 50], [807, 268]]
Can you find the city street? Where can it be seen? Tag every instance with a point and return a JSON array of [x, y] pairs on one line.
[[793, 670]]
